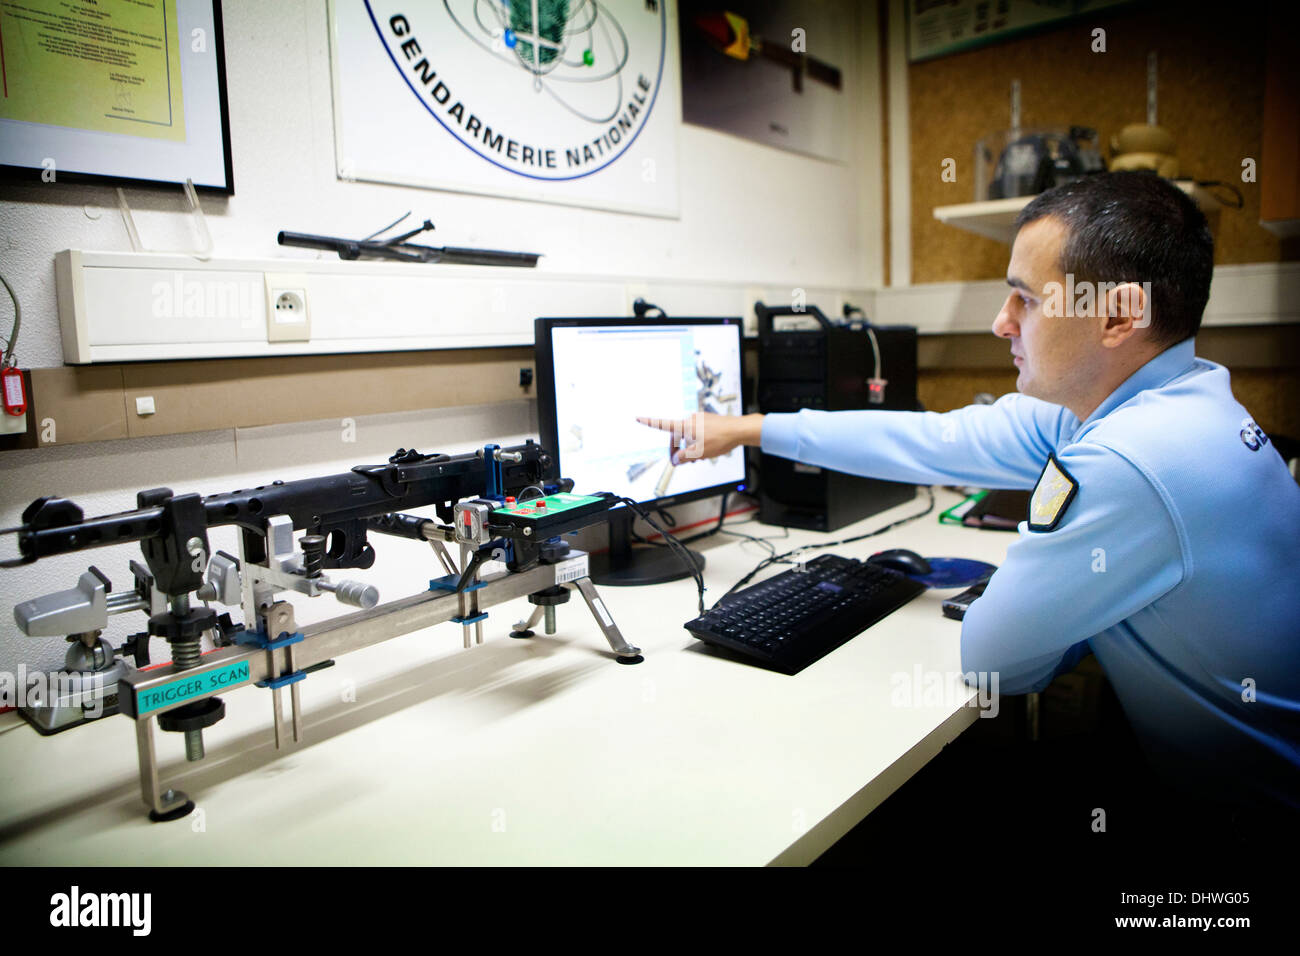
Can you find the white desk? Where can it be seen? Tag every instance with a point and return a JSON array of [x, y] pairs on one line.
[[541, 751]]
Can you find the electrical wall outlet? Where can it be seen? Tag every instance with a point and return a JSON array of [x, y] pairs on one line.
[[287, 317]]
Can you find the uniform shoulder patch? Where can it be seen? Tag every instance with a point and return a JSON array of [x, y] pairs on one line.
[[1055, 490]]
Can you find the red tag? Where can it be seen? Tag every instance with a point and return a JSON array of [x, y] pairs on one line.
[[15, 394]]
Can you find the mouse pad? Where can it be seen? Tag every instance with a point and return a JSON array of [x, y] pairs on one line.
[[954, 572]]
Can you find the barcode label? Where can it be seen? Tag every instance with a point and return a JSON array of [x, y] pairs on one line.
[[571, 569]]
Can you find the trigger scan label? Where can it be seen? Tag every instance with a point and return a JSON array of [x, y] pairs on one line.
[[190, 687], [571, 569]]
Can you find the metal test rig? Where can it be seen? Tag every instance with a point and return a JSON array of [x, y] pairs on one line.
[[475, 496]]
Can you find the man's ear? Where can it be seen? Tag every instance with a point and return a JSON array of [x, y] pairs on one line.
[[1127, 308]]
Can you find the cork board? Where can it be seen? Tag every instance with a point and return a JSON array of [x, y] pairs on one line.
[[1264, 362], [1211, 95], [96, 403]]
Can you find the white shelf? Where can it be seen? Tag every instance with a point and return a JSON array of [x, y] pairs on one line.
[[995, 218], [1255, 293]]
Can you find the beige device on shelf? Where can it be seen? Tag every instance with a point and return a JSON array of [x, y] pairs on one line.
[[1143, 146]]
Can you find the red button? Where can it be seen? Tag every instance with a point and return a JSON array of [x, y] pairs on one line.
[[542, 503]]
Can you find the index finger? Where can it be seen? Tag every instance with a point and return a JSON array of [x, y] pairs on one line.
[[663, 424]]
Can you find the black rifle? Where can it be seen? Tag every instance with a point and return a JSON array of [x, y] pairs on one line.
[[172, 528], [398, 248]]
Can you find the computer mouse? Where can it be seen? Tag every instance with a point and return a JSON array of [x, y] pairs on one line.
[[900, 559]]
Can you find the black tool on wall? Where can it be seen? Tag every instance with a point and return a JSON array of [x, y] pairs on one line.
[[400, 249]]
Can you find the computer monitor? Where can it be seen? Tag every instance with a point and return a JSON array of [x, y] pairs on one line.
[[595, 377]]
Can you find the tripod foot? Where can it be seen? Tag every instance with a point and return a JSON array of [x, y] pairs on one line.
[[185, 809]]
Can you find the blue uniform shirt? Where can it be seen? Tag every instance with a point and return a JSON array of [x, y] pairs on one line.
[[1176, 559]]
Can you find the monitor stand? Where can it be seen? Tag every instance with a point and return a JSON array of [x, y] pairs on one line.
[[625, 566]]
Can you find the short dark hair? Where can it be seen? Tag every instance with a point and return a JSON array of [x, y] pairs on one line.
[[1135, 227]]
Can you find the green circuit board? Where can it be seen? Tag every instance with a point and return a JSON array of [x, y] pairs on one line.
[[538, 510]]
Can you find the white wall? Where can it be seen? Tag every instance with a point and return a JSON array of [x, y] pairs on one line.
[[750, 214]]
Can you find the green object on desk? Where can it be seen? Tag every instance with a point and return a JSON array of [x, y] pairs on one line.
[[957, 512]]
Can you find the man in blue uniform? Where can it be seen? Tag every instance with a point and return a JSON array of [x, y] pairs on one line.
[[1164, 528]]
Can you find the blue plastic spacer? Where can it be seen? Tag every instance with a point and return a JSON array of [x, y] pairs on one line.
[[470, 620], [448, 583], [284, 680], [493, 471], [259, 640]]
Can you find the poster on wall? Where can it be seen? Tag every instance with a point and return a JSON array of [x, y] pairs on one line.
[[124, 92], [939, 27], [771, 71], [563, 101]]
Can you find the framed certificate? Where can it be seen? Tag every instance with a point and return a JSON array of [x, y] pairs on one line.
[[119, 91]]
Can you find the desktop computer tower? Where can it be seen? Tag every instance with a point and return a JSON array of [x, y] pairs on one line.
[[828, 368]]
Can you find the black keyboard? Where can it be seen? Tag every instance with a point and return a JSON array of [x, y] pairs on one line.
[[795, 618]]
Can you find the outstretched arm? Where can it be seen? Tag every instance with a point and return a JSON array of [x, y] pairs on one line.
[[705, 435], [1003, 445]]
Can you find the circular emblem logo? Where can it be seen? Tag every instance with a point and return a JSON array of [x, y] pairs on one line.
[[1252, 436], [545, 89]]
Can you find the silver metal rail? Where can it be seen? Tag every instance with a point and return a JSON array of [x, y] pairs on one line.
[[230, 667]]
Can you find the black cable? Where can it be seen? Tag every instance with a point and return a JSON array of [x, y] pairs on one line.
[[722, 516], [7, 356], [641, 309], [780, 558], [679, 547], [640, 540], [672, 523], [765, 542], [672, 542], [666, 518]]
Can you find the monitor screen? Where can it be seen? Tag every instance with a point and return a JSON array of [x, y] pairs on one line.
[[596, 376]]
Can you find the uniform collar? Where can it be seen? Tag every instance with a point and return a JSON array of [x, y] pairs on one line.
[[1162, 369]]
